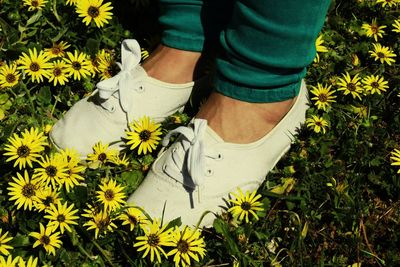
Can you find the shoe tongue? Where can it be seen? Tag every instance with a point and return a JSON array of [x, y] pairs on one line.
[[139, 71], [211, 137]]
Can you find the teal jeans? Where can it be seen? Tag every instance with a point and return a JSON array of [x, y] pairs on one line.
[[266, 45]]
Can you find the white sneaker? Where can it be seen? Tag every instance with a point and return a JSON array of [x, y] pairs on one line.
[[197, 171], [105, 114]]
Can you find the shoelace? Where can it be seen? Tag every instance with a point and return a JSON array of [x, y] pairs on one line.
[[196, 155], [123, 81]]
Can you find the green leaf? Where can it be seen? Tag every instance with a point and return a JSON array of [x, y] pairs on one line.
[[44, 95], [34, 18]]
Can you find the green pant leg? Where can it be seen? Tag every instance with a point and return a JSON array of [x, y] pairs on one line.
[[189, 24], [266, 48]]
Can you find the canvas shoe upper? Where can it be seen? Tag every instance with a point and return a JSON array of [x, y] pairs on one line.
[[131, 94], [199, 169]]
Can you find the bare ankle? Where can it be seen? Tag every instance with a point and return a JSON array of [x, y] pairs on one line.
[[172, 65]]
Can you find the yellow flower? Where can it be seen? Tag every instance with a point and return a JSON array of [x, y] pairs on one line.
[[396, 25], [9, 76], [389, 3], [107, 66], [102, 154], [58, 73], [32, 262], [101, 222], [57, 50], [72, 2], [121, 160], [318, 124], [286, 187], [94, 10], [355, 60], [154, 239], [395, 157], [61, 216], [35, 65], [187, 244], [26, 149], [323, 96], [144, 53], [132, 217], [383, 54], [49, 240], [319, 47], [350, 85], [145, 134], [77, 65], [34, 4], [373, 30], [3, 243], [73, 177], [375, 84], [245, 205], [45, 196], [9, 262], [111, 195], [53, 171], [22, 191]]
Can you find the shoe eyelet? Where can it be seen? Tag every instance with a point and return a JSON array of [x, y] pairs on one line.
[[209, 172], [141, 89], [219, 156], [174, 150], [112, 109], [164, 167]]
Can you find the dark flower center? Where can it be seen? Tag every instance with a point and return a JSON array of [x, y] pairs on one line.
[[51, 171], [323, 98], [374, 29], [57, 72], [28, 190], [55, 50], [93, 11], [375, 85], [34, 67], [144, 135], [61, 218], [380, 55], [23, 151], [48, 200], [45, 240], [76, 65], [351, 86], [153, 240], [35, 3], [318, 123], [245, 206], [10, 78], [103, 223], [182, 246], [132, 219], [109, 195], [102, 157]]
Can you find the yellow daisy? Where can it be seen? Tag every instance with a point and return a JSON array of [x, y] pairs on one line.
[[121, 160], [396, 25], [245, 205], [101, 222], [107, 65], [318, 124], [350, 85], [3, 243], [102, 154], [154, 239], [144, 53], [73, 178], [57, 50], [9, 262], [9, 76], [323, 96], [375, 84], [383, 54], [23, 191], [94, 10], [319, 47], [187, 244], [35, 4], [35, 65], [77, 65], [32, 262], [45, 196], [355, 61], [26, 149], [49, 240], [389, 3], [111, 195], [61, 216], [395, 157], [58, 73], [132, 217], [72, 2], [145, 134], [373, 30], [53, 171]]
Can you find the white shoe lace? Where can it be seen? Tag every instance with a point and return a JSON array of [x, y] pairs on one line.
[[123, 82], [192, 141]]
